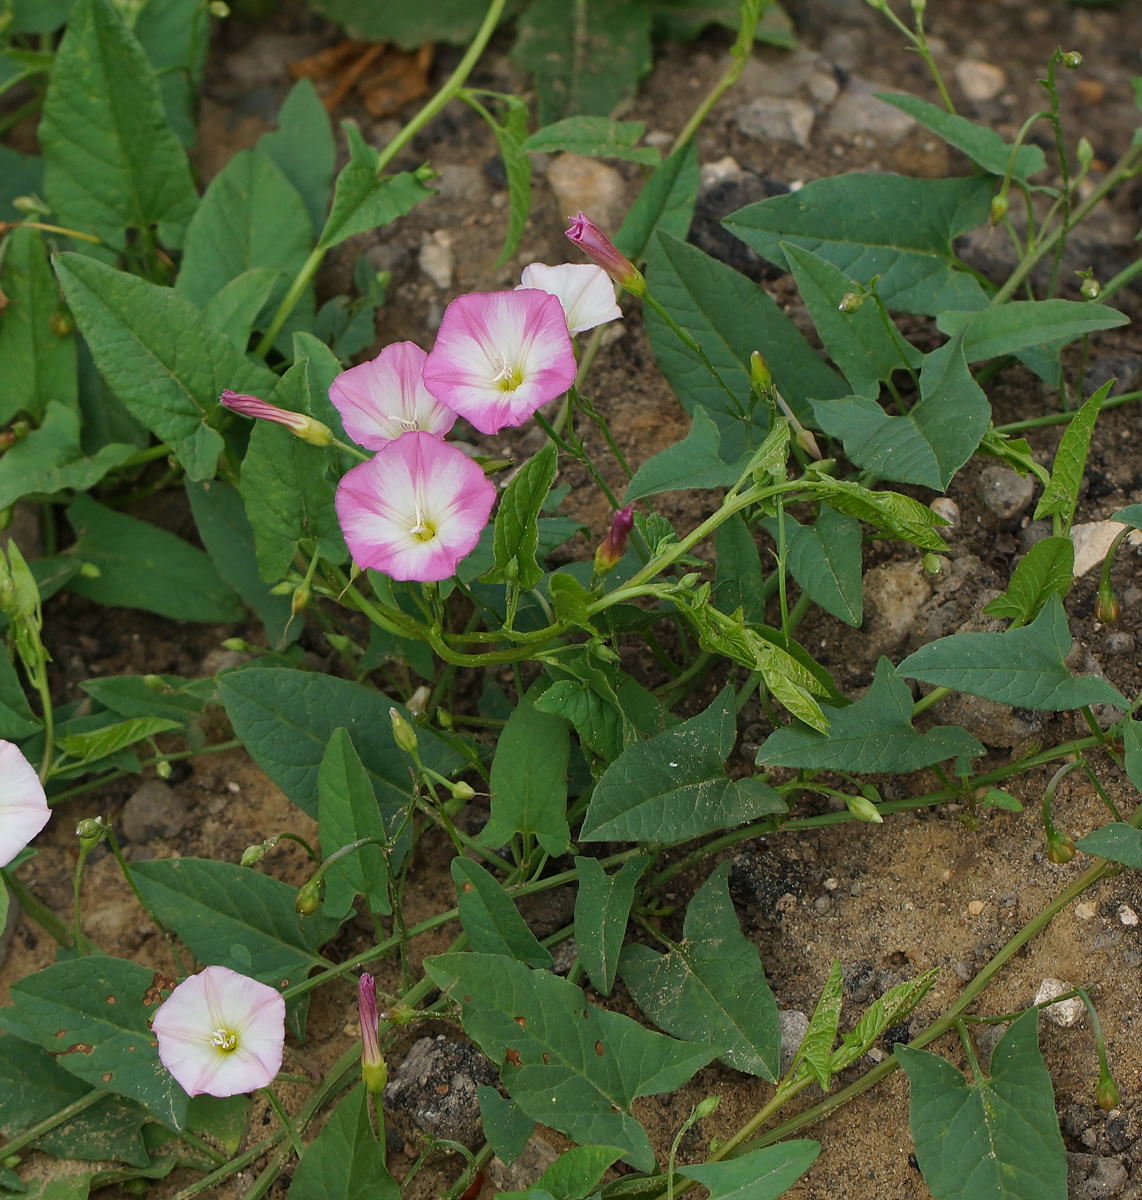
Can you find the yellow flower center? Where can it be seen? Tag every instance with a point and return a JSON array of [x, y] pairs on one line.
[[224, 1040], [507, 377], [422, 528]]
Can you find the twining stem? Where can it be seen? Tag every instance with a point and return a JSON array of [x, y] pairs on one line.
[[286, 1123]]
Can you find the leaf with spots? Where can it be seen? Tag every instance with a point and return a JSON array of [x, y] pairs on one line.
[[711, 986], [92, 1014], [572, 1066], [602, 909]]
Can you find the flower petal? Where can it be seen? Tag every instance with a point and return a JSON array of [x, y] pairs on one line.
[[584, 290], [23, 806]]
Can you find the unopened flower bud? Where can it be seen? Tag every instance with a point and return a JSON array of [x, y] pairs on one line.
[[463, 791], [1106, 606], [707, 1107], [163, 768], [298, 424], [444, 718], [851, 302], [1107, 1093], [309, 897], [400, 1014], [6, 514], [614, 544], [155, 682], [932, 564], [1072, 60], [30, 204], [418, 701], [61, 323], [373, 1069], [864, 810], [89, 570], [918, 6], [218, 8], [1085, 152], [300, 599], [403, 733], [759, 377], [998, 209], [597, 246], [90, 834], [253, 855], [1090, 288], [1060, 848]]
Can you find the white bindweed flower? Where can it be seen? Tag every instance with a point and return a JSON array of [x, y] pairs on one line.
[[585, 291], [23, 806], [221, 1033]]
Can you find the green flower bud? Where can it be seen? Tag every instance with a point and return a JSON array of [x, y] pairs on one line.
[[444, 718], [707, 1108], [61, 323], [90, 833], [759, 377], [163, 769], [285, 588], [155, 682], [1107, 1093], [1085, 152], [1090, 288], [403, 733], [1106, 606], [998, 209], [253, 855], [864, 810], [218, 8], [12, 1161], [31, 205], [1060, 848], [399, 1014], [1072, 60], [6, 516], [851, 301], [932, 564], [89, 570], [309, 897], [463, 791]]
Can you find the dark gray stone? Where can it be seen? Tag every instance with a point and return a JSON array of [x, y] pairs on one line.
[[434, 1090], [156, 810]]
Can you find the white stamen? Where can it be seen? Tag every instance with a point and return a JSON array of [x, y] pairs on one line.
[[223, 1039]]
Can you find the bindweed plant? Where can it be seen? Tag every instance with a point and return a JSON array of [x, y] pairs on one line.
[[155, 340]]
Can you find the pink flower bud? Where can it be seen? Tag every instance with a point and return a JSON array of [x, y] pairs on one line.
[[600, 249], [373, 1069], [608, 554], [298, 424]]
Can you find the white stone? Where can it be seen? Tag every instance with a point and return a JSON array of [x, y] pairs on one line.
[[893, 594], [1092, 541], [946, 507], [436, 259], [585, 185], [794, 1026], [1087, 911], [857, 110], [1067, 1012], [1127, 916], [980, 80], [724, 170], [779, 120]]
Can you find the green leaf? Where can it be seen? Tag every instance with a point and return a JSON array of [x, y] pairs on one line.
[[932, 441], [215, 906], [159, 355], [730, 316], [20, 175], [134, 696], [586, 693], [347, 810], [142, 566], [529, 778], [1130, 515], [176, 36], [997, 1139], [982, 145], [816, 1050], [858, 343], [304, 150], [1062, 493], [286, 718], [33, 1087], [288, 495], [364, 200], [572, 1066], [36, 364], [1132, 738], [1023, 667], [409, 25], [110, 162], [226, 533], [65, 1008], [825, 559], [574, 1175], [874, 735], [892, 513], [507, 1129], [1022, 324], [739, 580], [16, 717], [665, 203], [673, 787], [694, 462], [516, 537], [711, 987], [892, 1008], [893, 226], [762, 1174], [586, 57], [345, 1161], [595, 136], [50, 459], [1116, 841], [90, 747], [602, 909], [250, 217], [1047, 569], [235, 307], [510, 135], [490, 917]]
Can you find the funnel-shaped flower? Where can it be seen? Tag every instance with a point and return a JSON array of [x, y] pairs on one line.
[[385, 397], [299, 424], [221, 1033], [23, 807], [598, 247], [587, 295], [499, 356], [415, 509]]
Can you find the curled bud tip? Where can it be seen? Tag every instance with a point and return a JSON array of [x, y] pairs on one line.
[[373, 1069], [608, 554], [585, 234], [1072, 60], [403, 733]]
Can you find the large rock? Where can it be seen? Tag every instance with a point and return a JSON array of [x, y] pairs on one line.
[[434, 1090], [585, 185]]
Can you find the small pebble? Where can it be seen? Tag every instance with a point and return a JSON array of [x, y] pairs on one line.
[[1127, 915], [831, 885], [721, 171], [976, 907], [1067, 1012], [946, 507], [822, 904], [436, 259], [1119, 642], [876, 1055], [1004, 492], [794, 1026], [1086, 911], [980, 80]]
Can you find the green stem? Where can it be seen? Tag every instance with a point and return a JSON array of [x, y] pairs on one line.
[[38, 910], [286, 1123], [30, 1136], [111, 776], [1064, 418]]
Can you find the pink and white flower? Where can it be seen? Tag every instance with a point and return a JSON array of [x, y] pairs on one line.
[[587, 295], [499, 356], [221, 1033], [415, 509], [23, 806], [385, 397]]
